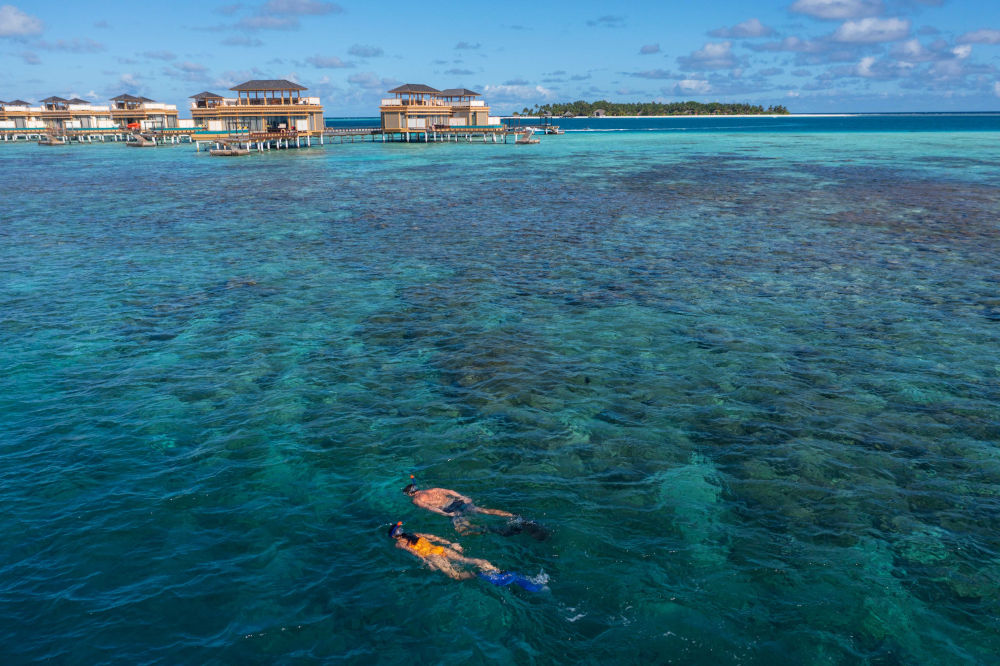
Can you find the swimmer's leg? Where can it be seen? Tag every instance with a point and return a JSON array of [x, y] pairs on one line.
[[463, 526], [447, 568], [518, 525], [493, 512]]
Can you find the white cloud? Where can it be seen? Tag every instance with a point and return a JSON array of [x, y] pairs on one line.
[[71, 45], [713, 55], [984, 36], [364, 51], [242, 40], [962, 52], [301, 7], [872, 30], [328, 62], [15, 23], [791, 44], [996, 88], [745, 30], [837, 10], [508, 94], [911, 50], [159, 55], [696, 86], [653, 74], [370, 81], [864, 67], [191, 67], [649, 49], [268, 23]]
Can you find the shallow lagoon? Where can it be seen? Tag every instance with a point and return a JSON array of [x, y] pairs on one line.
[[750, 379]]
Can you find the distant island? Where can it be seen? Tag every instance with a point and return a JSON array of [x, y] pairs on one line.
[[605, 108]]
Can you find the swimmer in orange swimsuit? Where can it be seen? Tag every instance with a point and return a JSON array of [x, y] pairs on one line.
[[447, 558]]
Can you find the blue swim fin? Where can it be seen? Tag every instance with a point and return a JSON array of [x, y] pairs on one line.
[[504, 578]]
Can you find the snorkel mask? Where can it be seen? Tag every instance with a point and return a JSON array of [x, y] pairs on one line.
[[396, 530]]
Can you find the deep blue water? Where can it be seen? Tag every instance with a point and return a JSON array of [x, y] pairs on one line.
[[748, 379]]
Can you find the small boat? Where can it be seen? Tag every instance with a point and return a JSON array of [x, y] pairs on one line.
[[228, 152], [527, 138], [52, 140], [141, 141], [552, 129]]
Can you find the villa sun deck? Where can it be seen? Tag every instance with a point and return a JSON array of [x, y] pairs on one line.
[[416, 108], [260, 106]]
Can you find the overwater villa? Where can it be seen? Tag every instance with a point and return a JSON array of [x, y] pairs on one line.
[[142, 113], [261, 106], [418, 108], [20, 115], [56, 114]]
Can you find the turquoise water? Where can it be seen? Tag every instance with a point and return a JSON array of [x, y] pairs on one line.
[[749, 380]]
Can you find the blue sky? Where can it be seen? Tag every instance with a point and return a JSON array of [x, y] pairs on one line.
[[810, 55]]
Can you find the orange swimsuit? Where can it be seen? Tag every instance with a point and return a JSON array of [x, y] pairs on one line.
[[423, 548]]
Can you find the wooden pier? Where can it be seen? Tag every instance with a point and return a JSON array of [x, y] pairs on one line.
[[173, 135], [273, 140], [434, 135]]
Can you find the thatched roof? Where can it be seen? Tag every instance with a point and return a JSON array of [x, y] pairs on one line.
[[146, 99], [459, 92], [77, 100], [207, 95], [126, 98], [267, 84], [415, 88], [18, 102], [54, 100]]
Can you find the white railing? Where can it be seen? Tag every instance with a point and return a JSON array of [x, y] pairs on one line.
[[414, 102], [257, 101], [473, 102], [89, 107]]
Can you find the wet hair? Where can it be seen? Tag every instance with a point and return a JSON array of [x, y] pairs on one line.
[[410, 489]]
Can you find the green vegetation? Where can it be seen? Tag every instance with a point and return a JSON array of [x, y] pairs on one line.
[[582, 108]]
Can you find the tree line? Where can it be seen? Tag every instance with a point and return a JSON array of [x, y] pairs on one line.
[[582, 108]]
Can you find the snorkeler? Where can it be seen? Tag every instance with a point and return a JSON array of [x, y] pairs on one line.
[[457, 506], [447, 557]]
